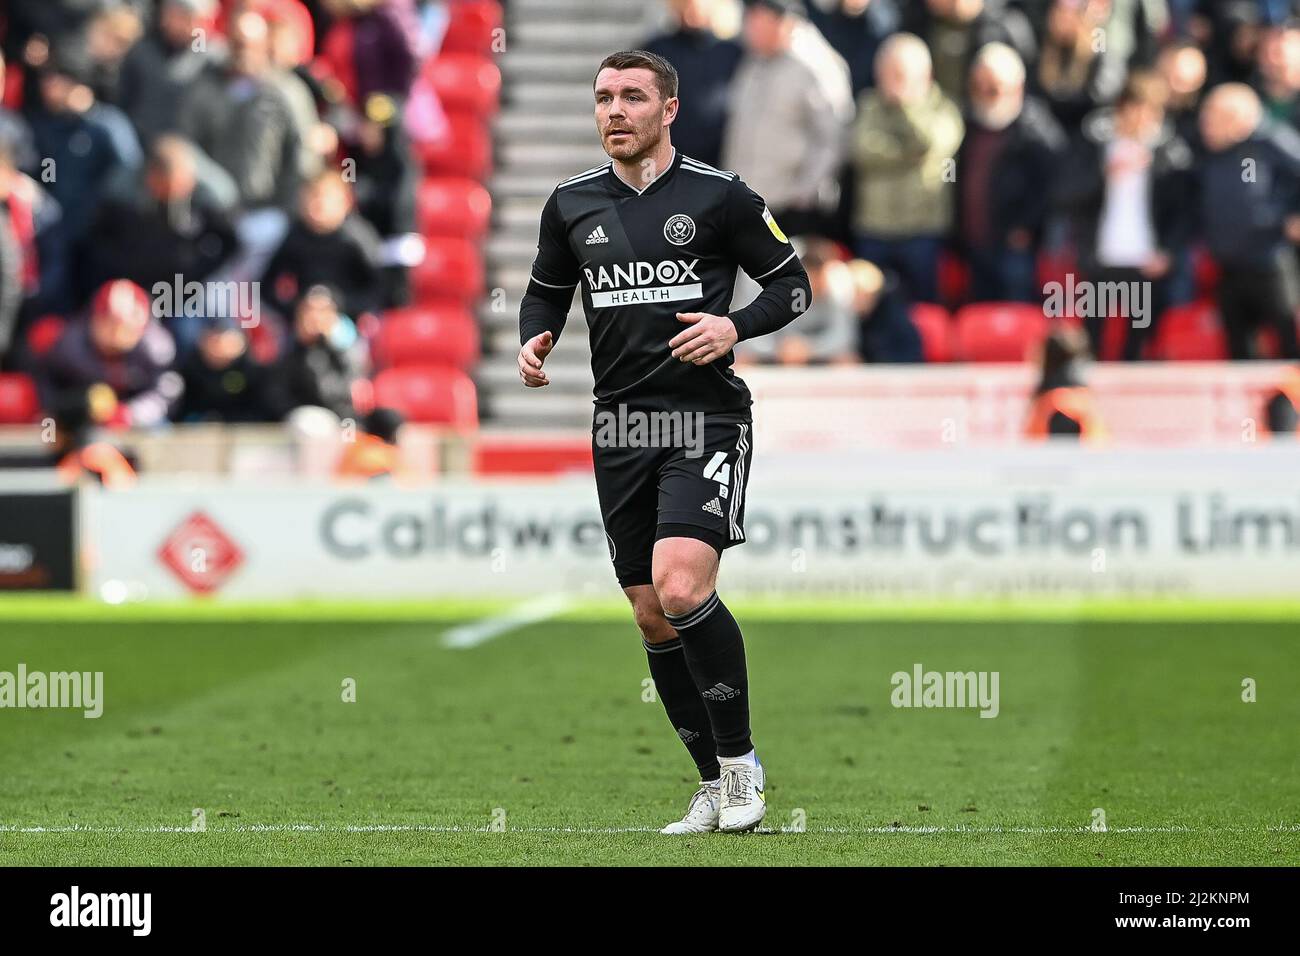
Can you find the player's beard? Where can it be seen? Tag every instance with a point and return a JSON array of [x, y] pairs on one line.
[[643, 142]]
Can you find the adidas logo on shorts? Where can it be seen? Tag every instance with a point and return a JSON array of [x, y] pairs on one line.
[[720, 692], [597, 236], [713, 507]]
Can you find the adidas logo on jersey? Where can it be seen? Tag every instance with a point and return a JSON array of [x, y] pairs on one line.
[[713, 507], [720, 692], [597, 236]]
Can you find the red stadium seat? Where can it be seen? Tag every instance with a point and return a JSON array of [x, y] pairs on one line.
[[44, 334], [452, 269], [465, 82], [935, 325], [438, 335], [19, 404], [999, 331], [448, 206], [1190, 333], [472, 26], [429, 394], [465, 151]]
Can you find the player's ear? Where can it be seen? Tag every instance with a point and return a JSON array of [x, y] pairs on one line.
[[670, 110]]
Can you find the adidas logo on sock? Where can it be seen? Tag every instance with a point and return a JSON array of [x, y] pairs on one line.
[[688, 736], [720, 692], [714, 507], [597, 236]]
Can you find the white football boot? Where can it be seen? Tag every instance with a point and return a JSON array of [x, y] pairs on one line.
[[743, 801], [701, 812]]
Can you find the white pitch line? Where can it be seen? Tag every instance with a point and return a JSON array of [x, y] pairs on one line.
[[429, 828], [529, 612]]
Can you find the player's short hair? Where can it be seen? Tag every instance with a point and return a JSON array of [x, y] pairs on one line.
[[665, 74]]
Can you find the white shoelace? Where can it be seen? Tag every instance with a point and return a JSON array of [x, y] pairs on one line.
[[737, 785], [700, 804]]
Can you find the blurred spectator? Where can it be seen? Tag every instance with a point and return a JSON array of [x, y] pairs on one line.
[[705, 65], [1004, 170], [955, 29], [169, 224], [375, 453], [372, 47], [1278, 79], [1077, 70], [163, 63], [223, 381], [31, 251], [885, 331], [785, 132], [825, 332], [1133, 29], [1282, 407], [1232, 31], [81, 451], [88, 146], [109, 35], [856, 28], [1127, 186], [1182, 64], [1249, 206], [904, 146], [15, 131], [114, 366], [325, 360], [237, 116], [387, 182], [1062, 405], [326, 244], [288, 21]]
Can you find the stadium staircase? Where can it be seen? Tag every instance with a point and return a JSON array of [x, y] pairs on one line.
[[543, 134]]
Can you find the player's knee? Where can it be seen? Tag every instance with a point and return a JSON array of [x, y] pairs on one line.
[[654, 629], [679, 590]]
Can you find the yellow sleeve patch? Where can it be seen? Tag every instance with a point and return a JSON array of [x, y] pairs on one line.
[[771, 224]]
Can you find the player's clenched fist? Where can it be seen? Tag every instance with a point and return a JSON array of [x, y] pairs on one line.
[[531, 356], [709, 337]]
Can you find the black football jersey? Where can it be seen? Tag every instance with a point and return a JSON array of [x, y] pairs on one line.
[[642, 256]]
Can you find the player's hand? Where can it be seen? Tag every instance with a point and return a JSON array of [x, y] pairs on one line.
[[709, 337], [531, 356]]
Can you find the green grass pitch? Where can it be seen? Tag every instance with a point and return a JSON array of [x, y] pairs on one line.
[[239, 711]]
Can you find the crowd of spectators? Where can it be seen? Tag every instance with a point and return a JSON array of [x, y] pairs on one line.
[[263, 146], [958, 151], [947, 151]]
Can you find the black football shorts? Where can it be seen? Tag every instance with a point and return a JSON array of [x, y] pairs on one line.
[[691, 486]]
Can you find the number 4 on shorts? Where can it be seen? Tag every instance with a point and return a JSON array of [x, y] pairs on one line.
[[718, 469]]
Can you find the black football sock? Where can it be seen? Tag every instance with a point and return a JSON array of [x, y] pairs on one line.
[[681, 698], [715, 653]]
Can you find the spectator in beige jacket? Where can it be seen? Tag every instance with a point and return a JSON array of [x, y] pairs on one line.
[[904, 148], [788, 117]]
